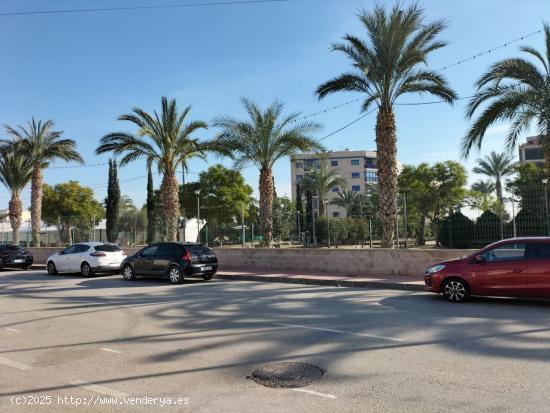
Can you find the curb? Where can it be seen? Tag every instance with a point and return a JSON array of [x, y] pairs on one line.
[[336, 283]]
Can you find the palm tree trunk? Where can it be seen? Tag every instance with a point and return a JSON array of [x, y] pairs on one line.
[[321, 204], [36, 204], [15, 209], [170, 204], [266, 205], [386, 143]]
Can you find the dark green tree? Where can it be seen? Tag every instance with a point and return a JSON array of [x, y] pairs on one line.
[[112, 203], [69, 205], [150, 206]]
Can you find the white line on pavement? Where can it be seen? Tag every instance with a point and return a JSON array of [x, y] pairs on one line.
[[111, 350], [99, 389], [351, 333], [12, 329], [328, 396], [14, 364]]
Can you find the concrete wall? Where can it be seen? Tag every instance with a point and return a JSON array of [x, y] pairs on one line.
[[342, 261]]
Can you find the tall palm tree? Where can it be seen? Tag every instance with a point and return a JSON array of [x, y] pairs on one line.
[[496, 166], [165, 140], [387, 66], [347, 200], [262, 140], [516, 90], [41, 145], [321, 181], [15, 174]]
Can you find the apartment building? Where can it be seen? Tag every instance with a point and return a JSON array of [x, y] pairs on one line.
[[531, 151], [358, 168]]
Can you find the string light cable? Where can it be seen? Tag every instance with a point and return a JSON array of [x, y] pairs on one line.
[[146, 7]]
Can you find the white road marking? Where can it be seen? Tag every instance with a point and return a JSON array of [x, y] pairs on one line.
[[99, 389], [14, 364], [12, 329], [328, 396], [351, 333], [111, 350]]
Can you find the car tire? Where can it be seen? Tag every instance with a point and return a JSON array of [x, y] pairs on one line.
[[128, 273], [175, 275], [207, 277], [50, 267], [25, 267], [85, 270], [456, 290]]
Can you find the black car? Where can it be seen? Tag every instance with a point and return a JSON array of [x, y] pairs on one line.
[[173, 260], [12, 256]]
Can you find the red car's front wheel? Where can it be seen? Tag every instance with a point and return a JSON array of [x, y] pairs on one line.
[[456, 290]]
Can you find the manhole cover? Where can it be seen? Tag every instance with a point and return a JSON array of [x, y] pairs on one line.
[[287, 374]]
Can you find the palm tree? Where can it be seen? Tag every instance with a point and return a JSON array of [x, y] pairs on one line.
[[15, 174], [262, 141], [321, 181], [41, 145], [517, 91], [164, 140], [346, 199], [496, 166], [484, 187], [386, 67]]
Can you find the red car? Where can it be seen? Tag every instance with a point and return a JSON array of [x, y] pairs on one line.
[[513, 268]]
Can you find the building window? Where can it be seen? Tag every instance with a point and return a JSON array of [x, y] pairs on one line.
[[335, 214], [534, 153], [355, 162], [370, 163], [333, 163], [356, 188], [335, 189], [371, 176], [355, 175], [311, 164], [299, 178], [299, 165]]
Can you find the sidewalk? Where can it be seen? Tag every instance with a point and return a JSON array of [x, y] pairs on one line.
[[396, 282]]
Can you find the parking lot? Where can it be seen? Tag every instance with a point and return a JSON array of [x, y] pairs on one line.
[[104, 339]]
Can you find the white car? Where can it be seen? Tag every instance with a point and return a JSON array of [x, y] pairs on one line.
[[86, 258]]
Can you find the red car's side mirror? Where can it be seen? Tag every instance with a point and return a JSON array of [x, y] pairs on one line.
[[478, 259]]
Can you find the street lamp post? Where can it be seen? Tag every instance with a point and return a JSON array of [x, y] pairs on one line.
[[545, 183], [197, 192], [326, 212], [243, 234]]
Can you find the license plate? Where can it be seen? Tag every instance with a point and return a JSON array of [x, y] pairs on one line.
[[207, 268], [18, 261]]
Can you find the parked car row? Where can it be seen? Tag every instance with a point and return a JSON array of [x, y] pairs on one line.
[[513, 268], [172, 260]]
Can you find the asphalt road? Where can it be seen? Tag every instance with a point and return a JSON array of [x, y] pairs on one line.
[[105, 340]]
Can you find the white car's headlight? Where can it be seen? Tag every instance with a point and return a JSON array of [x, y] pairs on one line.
[[434, 269]]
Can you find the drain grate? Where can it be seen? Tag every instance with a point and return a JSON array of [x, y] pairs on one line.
[[287, 374]]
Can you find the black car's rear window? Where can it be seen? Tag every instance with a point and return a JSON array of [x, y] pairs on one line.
[[107, 248], [198, 249], [8, 247], [170, 249]]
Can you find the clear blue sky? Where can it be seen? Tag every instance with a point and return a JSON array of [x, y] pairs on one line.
[[83, 70]]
